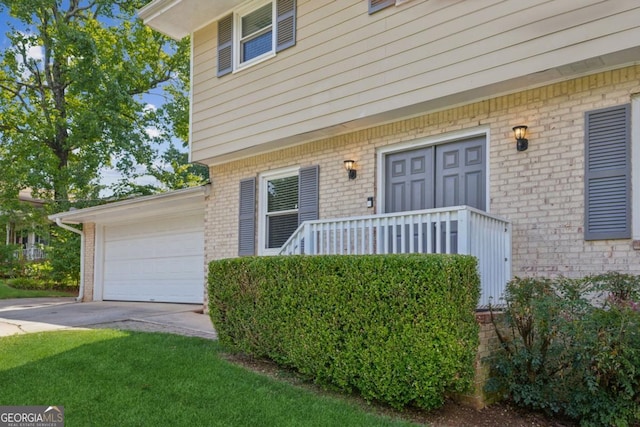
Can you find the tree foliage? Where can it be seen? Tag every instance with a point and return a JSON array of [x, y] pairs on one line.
[[172, 172], [71, 95]]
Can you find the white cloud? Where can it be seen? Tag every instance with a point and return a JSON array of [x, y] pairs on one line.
[[152, 132], [150, 107], [32, 52], [35, 52]]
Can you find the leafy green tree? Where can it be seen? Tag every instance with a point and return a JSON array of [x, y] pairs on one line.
[[76, 106], [72, 102], [173, 172]]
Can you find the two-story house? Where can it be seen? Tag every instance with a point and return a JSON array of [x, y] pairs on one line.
[[508, 129]]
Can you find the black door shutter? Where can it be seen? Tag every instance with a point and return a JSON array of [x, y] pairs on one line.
[[308, 194], [285, 24], [607, 174], [247, 218], [225, 45], [376, 5]]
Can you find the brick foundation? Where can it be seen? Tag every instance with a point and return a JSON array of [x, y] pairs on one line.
[[477, 398]]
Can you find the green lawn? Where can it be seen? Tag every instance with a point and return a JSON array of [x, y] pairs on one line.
[[7, 292], [119, 378]]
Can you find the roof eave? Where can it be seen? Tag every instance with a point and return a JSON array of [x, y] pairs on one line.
[[102, 213], [179, 18]]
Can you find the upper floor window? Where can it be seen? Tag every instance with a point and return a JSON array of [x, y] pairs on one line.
[[256, 33], [252, 33]]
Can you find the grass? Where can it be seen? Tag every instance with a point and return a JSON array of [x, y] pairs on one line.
[[7, 292], [117, 378]]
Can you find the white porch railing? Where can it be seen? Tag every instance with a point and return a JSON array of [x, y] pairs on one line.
[[31, 253], [459, 229]]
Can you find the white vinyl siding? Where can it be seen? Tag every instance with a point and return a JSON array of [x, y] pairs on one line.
[[350, 68]]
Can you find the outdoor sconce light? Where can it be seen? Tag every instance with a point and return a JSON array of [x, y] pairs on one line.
[[520, 132], [348, 165]]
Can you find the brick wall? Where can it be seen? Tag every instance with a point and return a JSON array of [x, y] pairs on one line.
[[488, 346], [540, 190], [89, 230]]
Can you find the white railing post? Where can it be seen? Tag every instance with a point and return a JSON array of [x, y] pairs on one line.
[[307, 239], [464, 229]]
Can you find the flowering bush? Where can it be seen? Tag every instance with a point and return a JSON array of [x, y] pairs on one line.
[[572, 347]]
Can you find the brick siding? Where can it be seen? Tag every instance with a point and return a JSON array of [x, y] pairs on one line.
[[540, 190], [89, 230]]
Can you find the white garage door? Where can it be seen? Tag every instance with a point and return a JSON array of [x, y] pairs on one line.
[[155, 260]]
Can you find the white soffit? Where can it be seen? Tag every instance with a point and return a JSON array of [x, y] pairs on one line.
[[179, 18]]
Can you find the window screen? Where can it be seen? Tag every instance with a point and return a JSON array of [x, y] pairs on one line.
[[257, 34], [282, 210]]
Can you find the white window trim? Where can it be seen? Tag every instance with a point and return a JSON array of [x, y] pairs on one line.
[[262, 205], [635, 167], [237, 35], [426, 142]]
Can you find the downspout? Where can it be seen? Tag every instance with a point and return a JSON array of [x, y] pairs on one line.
[[81, 233]]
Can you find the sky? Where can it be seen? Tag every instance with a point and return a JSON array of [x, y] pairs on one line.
[[109, 176]]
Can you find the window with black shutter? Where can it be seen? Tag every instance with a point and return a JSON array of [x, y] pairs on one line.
[[247, 218], [287, 199], [607, 174], [251, 34]]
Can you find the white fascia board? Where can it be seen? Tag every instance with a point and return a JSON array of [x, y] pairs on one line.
[[173, 201]]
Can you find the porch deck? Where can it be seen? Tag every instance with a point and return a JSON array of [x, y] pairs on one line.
[[451, 230]]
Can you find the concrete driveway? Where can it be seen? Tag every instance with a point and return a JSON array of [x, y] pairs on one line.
[[26, 315]]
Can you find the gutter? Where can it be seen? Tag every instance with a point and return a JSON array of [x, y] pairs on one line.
[[81, 233]]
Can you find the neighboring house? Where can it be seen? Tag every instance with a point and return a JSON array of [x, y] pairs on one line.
[[22, 231], [423, 97]]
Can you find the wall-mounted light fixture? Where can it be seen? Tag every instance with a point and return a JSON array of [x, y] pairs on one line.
[[520, 132], [349, 166]]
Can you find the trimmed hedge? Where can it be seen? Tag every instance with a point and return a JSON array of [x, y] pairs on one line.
[[399, 329]]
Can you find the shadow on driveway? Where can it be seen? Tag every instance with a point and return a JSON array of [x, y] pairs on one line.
[[20, 316]]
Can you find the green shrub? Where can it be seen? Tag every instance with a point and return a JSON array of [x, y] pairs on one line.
[[64, 253], [9, 263], [39, 284], [572, 347], [396, 328]]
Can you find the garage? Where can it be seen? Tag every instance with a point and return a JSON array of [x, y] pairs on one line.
[[143, 249], [156, 260]]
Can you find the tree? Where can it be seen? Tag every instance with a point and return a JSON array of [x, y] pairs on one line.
[[172, 173], [76, 106]]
